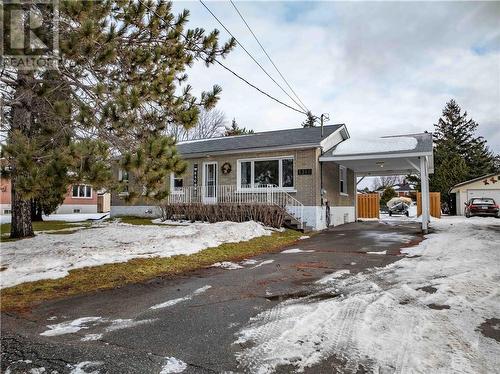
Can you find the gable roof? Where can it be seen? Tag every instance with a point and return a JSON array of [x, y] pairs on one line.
[[474, 180], [309, 137]]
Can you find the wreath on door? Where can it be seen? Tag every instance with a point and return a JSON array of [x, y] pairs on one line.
[[226, 168]]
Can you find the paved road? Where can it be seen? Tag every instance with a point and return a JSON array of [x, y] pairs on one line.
[[200, 327]]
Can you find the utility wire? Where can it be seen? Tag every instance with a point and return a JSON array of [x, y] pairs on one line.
[[269, 57], [253, 58], [227, 68], [258, 89]]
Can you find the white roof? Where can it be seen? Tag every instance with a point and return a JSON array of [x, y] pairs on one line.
[[354, 146]]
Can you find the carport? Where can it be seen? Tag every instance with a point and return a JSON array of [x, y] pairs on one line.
[[390, 155]]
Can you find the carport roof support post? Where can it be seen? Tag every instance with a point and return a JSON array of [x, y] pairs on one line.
[[424, 177]]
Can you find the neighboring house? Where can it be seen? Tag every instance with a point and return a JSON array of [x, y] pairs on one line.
[[404, 189], [485, 186], [79, 199], [293, 168]]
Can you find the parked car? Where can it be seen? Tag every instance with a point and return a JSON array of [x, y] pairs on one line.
[[483, 206]]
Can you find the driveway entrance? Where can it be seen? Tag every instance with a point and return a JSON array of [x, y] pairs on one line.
[[192, 319]]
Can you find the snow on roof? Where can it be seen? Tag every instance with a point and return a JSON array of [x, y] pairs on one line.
[[380, 145]]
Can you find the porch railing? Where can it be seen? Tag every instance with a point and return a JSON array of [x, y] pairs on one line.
[[229, 194]]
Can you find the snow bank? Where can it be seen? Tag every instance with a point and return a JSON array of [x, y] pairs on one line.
[[49, 256], [417, 315]]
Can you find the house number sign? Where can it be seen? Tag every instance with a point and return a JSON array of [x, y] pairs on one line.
[[304, 172]]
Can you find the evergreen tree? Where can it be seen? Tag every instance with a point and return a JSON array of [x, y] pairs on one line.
[[236, 130], [310, 120], [121, 80], [387, 195], [459, 154]]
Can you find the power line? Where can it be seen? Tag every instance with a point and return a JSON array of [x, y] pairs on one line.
[[269, 57], [253, 58], [227, 68], [258, 89]]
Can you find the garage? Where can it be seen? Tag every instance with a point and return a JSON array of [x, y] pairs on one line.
[[484, 186], [494, 194]]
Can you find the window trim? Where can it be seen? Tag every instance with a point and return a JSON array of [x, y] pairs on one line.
[[82, 197], [343, 170], [252, 174], [173, 191]]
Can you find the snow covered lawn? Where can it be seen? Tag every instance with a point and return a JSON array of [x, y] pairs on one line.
[[422, 314], [51, 256]]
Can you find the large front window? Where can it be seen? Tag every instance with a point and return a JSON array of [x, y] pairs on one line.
[[261, 173], [266, 173]]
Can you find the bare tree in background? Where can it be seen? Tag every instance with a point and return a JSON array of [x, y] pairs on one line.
[[211, 123], [387, 181]]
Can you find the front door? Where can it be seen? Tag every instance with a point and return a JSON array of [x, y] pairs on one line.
[[210, 182]]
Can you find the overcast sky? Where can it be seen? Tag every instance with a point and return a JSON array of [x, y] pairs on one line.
[[382, 68]]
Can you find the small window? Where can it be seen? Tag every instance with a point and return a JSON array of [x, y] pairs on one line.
[[246, 174], [343, 179], [287, 172], [82, 191], [76, 210], [176, 183], [7, 211]]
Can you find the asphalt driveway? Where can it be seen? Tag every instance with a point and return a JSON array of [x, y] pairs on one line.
[[192, 318]]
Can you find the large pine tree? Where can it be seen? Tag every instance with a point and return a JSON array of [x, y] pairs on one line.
[[120, 82], [459, 154]]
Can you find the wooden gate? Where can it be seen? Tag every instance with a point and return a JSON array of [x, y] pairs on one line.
[[368, 205], [435, 200]]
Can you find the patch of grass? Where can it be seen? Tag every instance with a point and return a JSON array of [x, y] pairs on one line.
[[141, 221], [44, 226], [109, 276]]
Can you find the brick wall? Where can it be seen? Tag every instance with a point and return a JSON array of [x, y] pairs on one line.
[[307, 186], [70, 200]]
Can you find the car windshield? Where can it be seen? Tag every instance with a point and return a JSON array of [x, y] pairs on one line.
[[483, 201]]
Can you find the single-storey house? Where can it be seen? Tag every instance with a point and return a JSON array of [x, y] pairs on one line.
[[80, 198], [484, 186], [310, 172], [404, 189]]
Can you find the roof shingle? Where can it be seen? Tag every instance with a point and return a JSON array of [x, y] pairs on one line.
[[310, 136]]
